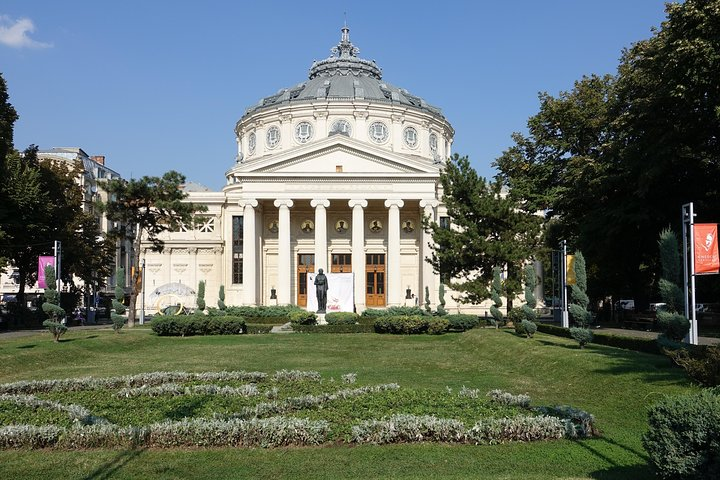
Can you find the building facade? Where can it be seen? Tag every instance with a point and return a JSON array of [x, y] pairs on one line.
[[336, 173]]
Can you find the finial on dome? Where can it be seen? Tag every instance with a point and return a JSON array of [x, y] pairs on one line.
[[345, 48]]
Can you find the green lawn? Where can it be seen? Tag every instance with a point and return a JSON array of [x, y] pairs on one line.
[[615, 385]]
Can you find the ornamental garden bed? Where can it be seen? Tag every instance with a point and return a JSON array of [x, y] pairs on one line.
[[248, 409]]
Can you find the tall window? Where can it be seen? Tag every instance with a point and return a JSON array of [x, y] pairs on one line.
[[445, 222], [237, 249]]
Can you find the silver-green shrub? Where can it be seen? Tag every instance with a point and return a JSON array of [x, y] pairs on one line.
[[408, 428], [505, 398], [29, 436], [516, 429]]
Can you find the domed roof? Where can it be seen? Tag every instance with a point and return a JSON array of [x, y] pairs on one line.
[[344, 76]]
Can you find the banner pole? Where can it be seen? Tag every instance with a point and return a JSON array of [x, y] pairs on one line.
[[693, 309], [563, 286]]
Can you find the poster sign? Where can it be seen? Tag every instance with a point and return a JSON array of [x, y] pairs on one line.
[[706, 248], [42, 263], [570, 278], [339, 295]]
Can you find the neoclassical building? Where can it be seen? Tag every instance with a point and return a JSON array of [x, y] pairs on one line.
[[336, 173]]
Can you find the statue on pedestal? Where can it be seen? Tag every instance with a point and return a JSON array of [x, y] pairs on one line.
[[321, 288]]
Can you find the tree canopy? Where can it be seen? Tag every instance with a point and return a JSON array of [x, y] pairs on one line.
[[614, 159], [148, 206], [490, 229]]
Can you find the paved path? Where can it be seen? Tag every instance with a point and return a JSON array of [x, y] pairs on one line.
[[645, 334]]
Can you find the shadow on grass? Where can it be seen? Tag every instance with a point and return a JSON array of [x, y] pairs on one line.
[[601, 447], [650, 366], [31, 345], [187, 409], [108, 469]]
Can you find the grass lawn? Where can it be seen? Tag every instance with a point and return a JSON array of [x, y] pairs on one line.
[[615, 385]]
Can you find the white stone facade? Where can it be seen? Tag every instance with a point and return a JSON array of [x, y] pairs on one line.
[[335, 173]]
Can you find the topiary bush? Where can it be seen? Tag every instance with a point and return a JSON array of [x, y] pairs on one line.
[[529, 328], [582, 335], [683, 439], [201, 295], [341, 318], [302, 317], [221, 298], [460, 322], [408, 325], [51, 306], [55, 328], [441, 298], [189, 325], [672, 325], [118, 320], [495, 288], [437, 326]]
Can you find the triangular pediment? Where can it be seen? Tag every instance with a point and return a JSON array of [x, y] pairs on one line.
[[337, 154]]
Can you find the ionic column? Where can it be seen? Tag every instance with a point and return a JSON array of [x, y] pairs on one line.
[[358, 251], [429, 279], [284, 273], [394, 288], [320, 233], [249, 251]]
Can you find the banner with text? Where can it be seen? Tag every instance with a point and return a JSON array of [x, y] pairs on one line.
[[706, 248], [339, 294], [42, 263], [570, 278]]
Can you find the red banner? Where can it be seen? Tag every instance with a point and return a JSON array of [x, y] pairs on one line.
[[42, 263], [706, 248]]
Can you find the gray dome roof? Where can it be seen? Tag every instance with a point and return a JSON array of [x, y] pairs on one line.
[[344, 76]]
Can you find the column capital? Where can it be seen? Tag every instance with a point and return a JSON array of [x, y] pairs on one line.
[[357, 203], [394, 202], [320, 202], [248, 201], [283, 202], [432, 203]]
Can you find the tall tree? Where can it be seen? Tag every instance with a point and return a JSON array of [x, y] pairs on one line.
[[146, 208], [615, 158], [8, 116], [490, 229]]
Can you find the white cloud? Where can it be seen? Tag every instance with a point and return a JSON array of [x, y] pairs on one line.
[[16, 33]]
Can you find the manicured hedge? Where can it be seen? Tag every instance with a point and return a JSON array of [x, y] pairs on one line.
[[410, 324], [184, 326], [460, 322], [393, 311], [342, 328], [341, 318], [257, 328], [637, 344]]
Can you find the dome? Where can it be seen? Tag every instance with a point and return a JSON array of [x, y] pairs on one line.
[[344, 76]]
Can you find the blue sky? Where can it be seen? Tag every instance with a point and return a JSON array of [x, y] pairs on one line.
[[159, 85]]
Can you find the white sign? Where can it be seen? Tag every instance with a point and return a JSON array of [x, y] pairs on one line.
[[339, 294]]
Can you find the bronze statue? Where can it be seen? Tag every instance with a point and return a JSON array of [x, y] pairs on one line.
[[321, 288]]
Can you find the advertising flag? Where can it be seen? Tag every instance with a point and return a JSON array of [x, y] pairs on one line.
[[570, 272], [706, 248], [42, 263]]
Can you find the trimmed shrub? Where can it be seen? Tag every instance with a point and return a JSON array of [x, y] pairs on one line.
[[186, 326], [673, 325], [554, 330], [221, 298], [257, 329], [201, 295], [683, 440], [582, 335], [441, 312], [412, 324], [56, 328], [342, 328], [302, 317], [529, 328], [341, 318], [460, 322], [497, 318], [393, 311], [437, 326]]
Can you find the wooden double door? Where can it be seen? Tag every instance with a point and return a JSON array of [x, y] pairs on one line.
[[375, 280], [342, 263]]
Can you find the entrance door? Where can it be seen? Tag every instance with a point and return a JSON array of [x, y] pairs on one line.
[[305, 265], [341, 263], [375, 279]]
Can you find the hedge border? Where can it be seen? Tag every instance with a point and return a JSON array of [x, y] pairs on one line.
[[358, 328], [636, 344]]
